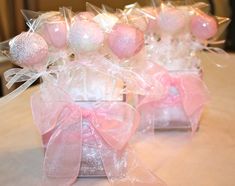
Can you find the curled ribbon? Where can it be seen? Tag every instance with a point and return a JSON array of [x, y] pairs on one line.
[[60, 121], [186, 88], [133, 81], [208, 46], [29, 76], [19, 75]]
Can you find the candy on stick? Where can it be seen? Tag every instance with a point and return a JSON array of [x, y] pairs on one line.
[[203, 26], [85, 35], [55, 33], [51, 26], [171, 20], [126, 38], [125, 41], [29, 50]]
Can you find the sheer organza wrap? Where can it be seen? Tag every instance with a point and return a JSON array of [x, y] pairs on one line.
[[61, 122], [180, 89], [177, 94]]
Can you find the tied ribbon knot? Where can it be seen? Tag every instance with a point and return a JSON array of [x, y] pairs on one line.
[[15, 75], [183, 87], [114, 123], [27, 76], [60, 122]]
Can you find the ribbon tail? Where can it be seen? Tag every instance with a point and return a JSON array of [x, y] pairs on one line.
[[15, 77], [121, 165], [63, 156], [147, 110], [137, 174], [195, 96], [11, 72], [148, 105], [123, 168], [18, 91]]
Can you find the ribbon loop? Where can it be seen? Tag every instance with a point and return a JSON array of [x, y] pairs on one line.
[[63, 154], [187, 88], [114, 123]]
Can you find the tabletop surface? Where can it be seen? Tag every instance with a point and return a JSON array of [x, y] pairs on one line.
[[205, 159]]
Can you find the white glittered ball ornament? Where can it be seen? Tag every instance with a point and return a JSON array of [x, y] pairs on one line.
[[85, 36], [29, 50], [171, 20]]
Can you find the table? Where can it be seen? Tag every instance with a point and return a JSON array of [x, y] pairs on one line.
[[206, 159]]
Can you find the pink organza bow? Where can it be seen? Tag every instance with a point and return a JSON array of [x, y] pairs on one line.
[[185, 88], [60, 120], [191, 91]]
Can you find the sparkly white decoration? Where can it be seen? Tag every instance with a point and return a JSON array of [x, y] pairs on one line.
[[29, 50], [85, 36]]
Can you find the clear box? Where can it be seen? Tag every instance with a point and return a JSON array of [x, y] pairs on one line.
[[168, 113]]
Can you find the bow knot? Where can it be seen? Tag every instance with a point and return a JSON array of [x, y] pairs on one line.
[[185, 88], [61, 120], [86, 113]]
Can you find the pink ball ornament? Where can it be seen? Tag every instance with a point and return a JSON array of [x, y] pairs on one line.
[[152, 23], [203, 26], [85, 36], [125, 41], [55, 33], [29, 50], [171, 20]]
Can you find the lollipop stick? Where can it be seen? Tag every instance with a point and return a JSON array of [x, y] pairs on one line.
[[85, 91], [113, 88]]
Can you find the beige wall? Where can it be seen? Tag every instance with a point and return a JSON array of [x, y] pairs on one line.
[[222, 8], [80, 4], [12, 22]]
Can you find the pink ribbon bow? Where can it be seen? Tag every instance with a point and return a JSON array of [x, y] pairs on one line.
[[60, 121], [185, 88]]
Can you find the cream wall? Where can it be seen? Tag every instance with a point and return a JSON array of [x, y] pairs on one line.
[[221, 6], [80, 4]]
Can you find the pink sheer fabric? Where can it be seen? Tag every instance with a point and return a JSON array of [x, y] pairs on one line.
[[59, 120], [186, 89]]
